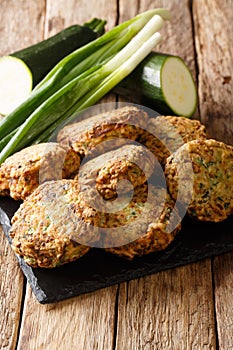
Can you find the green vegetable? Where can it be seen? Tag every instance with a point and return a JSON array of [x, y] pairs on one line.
[[82, 78], [7, 138], [162, 82], [23, 69], [15, 83], [43, 56]]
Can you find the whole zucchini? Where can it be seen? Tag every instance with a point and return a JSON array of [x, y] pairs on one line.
[[21, 71], [162, 82], [43, 56]]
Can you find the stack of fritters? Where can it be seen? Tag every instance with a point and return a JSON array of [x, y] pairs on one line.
[[60, 220]]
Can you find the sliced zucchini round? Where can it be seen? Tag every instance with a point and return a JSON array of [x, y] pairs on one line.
[[15, 83], [178, 87], [162, 82]]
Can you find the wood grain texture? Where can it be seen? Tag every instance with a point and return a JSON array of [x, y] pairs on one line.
[[61, 14], [176, 33], [173, 309], [223, 281], [177, 39], [128, 9], [11, 289], [214, 38], [21, 25], [169, 310], [85, 322]]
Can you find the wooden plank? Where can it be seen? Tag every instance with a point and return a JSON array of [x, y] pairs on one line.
[[169, 310], [173, 309], [11, 289], [63, 14], [128, 9], [213, 36], [177, 39], [22, 24], [16, 18], [223, 281], [85, 322], [176, 33]]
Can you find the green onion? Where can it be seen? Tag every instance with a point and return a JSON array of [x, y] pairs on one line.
[[133, 25], [116, 76], [7, 138]]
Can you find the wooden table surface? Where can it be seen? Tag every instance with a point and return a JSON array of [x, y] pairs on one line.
[[190, 307]]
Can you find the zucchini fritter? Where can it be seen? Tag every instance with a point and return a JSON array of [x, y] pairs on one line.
[[147, 224], [56, 224], [130, 162], [210, 187], [48, 227], [118, 124], [22, 172], [165, 134]]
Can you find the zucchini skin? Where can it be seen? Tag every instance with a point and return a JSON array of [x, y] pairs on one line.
[[143, 86], [37, 97], [43, 56]]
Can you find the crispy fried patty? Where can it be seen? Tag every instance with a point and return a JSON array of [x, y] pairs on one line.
[[56, 224], [48, 227], [118, 124], [165, 134], [22, 172], [209, 188], [130, 162], [147, 224]]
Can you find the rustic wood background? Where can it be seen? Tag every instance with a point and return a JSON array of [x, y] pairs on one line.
[[190, 307]]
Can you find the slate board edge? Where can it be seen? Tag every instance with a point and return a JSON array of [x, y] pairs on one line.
[[88, 287], [43, 299]]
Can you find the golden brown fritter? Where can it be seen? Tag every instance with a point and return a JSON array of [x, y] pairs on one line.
[[58, 224], [118, 124], [49, 227], [207, 190], [165, 134], [22, 172], [147, 224], [130, 162]]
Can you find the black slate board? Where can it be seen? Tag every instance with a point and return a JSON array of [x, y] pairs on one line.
[[98, 269]]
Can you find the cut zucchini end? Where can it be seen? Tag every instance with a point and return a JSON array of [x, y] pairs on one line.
[[179, 89], [15, 83]]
